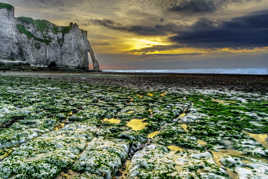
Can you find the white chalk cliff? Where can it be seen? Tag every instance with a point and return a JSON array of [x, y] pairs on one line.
[[24, 40]]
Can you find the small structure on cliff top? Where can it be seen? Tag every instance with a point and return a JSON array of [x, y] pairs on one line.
[[40, 43]]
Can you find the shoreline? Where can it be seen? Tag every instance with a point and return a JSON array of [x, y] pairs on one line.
[[155, 81], [60, 71], [184, 74]]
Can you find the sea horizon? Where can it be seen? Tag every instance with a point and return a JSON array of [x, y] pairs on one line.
[[243, 71]]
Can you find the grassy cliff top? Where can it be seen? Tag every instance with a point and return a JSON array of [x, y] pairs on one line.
[[44, 25], [6, 6]]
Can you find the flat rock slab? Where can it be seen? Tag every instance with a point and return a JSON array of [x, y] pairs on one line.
[[52, 128]]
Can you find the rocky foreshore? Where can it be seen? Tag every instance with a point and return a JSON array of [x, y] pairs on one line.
[[62, 126]]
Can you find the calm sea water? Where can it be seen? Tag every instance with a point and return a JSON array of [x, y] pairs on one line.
[[251, 71]]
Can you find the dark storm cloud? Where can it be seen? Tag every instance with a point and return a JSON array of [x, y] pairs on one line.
[[244, 32], [137, 29], [197, 6], [46, 3], [181, 6], [201, 6]]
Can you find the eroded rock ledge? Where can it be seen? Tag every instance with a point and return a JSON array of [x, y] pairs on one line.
[[41, 43]]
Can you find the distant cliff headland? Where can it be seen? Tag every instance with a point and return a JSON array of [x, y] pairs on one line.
[[40, 43]]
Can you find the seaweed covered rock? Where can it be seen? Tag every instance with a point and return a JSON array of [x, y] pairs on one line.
[[41, 43], [67, 129]]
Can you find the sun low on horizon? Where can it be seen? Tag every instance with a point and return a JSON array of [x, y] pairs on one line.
[[165, 33]]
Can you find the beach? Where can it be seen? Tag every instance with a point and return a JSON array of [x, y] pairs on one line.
[[153, 81], [114, 125]]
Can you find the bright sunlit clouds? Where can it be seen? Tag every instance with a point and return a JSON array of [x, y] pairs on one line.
[[144, 43]]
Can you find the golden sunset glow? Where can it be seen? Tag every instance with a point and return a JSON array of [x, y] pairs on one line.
[[140, 43], [179, 51], [254, 50]]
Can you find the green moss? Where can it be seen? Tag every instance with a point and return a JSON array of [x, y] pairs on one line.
[[55, 29], [6, 6], [63, 30], [52, 102], [66, 29], [42, 25], [23, 30], [27, 20]]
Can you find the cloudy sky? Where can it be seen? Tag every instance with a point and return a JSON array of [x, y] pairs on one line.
[[164, 33]]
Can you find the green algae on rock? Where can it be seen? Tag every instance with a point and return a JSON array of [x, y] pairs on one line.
[[59, 129]]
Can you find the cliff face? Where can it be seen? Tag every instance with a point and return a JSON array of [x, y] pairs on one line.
[[41, 43]]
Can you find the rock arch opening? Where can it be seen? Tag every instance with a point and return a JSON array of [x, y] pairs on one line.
[[95, 63]]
